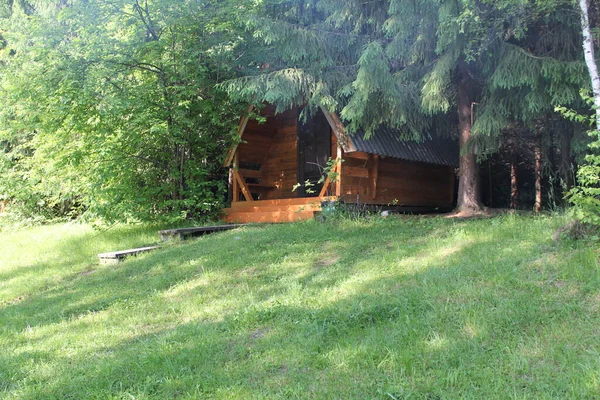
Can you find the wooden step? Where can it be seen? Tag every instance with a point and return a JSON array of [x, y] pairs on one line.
[[290, 208], [266, 216], [281, 202]]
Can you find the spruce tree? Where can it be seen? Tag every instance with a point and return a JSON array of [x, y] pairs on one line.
[[410, 64]]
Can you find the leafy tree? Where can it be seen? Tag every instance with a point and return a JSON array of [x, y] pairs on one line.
[[116, 106]]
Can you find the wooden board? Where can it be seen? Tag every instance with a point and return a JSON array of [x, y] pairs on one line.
[[282, 202], [114, 257], [359, 155], [357, 172], [268, 216], [182, 233], [292, 208]]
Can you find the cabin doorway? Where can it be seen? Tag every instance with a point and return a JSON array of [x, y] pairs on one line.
[[314, 150]]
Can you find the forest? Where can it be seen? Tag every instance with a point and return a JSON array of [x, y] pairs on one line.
[[123, 110]]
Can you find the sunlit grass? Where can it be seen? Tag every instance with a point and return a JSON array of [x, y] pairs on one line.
[[404, 307]]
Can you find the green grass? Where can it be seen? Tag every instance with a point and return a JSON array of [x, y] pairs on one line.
[[397, 308]]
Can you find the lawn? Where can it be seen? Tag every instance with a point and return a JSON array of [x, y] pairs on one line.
[[396, 308]]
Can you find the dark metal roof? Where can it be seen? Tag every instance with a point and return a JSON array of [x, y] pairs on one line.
[[387, 142]]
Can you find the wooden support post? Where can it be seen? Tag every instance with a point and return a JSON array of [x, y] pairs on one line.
[[373, 175], [230, 181], [236, 189], [327, 183], [338, 185], [243, 186], [241, 127]]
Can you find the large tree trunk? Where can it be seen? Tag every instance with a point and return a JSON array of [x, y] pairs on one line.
[[469, 200], [590, 60]]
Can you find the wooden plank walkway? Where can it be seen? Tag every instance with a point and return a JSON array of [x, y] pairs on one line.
[[182, 233], [116, 256]]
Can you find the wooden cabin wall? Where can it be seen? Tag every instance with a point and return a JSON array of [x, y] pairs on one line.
[[256, 141], [410, 183], [281, 164]]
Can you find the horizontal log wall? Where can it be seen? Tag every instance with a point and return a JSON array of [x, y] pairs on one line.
[[256, 141], [400, 182], [281, 165]]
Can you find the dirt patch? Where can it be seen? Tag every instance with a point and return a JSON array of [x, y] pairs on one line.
[[593, 302], [558, 283], [573, 230], [326, 261], [12, 302], [485, 213], [88, 271], [259, 333]]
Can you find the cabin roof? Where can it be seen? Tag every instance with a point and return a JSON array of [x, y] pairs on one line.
[[386, 142]]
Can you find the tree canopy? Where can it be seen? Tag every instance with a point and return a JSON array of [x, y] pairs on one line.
[[110, 107], [423, 66], [123, 109]]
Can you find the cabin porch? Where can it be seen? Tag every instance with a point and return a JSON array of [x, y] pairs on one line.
[[270, 167]]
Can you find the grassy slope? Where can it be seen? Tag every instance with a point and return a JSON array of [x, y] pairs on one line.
[[398, 308]]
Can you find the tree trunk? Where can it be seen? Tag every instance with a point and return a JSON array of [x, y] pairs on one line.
[[590, 59], [469, 200], [514, 183], [538, 174]]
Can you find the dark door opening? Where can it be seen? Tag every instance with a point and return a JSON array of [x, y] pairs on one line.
[[314, 150]]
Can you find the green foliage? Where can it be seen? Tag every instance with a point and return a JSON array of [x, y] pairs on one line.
[[326, 173], [585, 196], [110, 108], [397, 60]]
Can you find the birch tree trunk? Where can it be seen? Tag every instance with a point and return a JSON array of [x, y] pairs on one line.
[[590, 59]]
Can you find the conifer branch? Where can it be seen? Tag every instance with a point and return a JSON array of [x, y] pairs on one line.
[[333, 33], [541, 58]]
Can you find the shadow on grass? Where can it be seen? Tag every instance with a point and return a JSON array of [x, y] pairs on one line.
[[358, 312]]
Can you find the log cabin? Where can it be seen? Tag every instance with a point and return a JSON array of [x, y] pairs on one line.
[[286, 167]]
